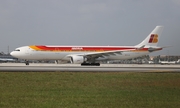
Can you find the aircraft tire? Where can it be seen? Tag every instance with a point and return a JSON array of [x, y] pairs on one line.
[[90, 64]]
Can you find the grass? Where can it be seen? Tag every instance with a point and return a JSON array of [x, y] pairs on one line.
[[90, 90]]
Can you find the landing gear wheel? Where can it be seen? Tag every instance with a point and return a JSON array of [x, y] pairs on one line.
[[90, 64], [26, 62]]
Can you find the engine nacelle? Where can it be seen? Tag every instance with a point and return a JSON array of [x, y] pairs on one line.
[[61, 61], [77, 59]]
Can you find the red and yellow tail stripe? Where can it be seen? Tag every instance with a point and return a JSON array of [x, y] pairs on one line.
[[153, 38]]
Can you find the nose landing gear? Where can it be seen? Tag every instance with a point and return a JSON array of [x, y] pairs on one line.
[[26, 62]]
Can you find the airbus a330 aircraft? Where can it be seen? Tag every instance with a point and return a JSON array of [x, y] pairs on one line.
[[89, 55], [7, 60]]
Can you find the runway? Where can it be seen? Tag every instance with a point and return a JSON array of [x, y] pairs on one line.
[[38, 67]]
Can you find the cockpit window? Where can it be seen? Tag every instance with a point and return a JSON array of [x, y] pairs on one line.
[[17, 49]]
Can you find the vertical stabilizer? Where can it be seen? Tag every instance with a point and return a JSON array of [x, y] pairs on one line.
[[153, 38]]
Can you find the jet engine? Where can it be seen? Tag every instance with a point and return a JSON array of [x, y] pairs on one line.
[[77, 59]]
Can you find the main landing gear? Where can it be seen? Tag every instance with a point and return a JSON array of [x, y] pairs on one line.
[[90, 64]]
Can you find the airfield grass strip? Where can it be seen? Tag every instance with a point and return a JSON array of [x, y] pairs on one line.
[[89, 90]]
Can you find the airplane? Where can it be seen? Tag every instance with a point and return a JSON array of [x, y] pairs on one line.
[[7, 60], [150, 62], [168, 62], [89, 55]]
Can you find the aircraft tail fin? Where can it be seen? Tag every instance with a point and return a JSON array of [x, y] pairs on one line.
[[153, 38]]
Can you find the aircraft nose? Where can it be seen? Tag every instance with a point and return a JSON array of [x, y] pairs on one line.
[[12, 53]]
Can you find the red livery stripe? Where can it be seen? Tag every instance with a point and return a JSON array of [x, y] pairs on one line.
[[77, 48]]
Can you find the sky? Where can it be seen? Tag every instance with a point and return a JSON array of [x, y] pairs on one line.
[[88, 22]]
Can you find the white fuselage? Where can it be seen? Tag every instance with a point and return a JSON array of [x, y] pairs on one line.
[[30, 54]]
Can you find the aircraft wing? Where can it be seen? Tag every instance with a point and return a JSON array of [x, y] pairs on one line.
[[103, 54]]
